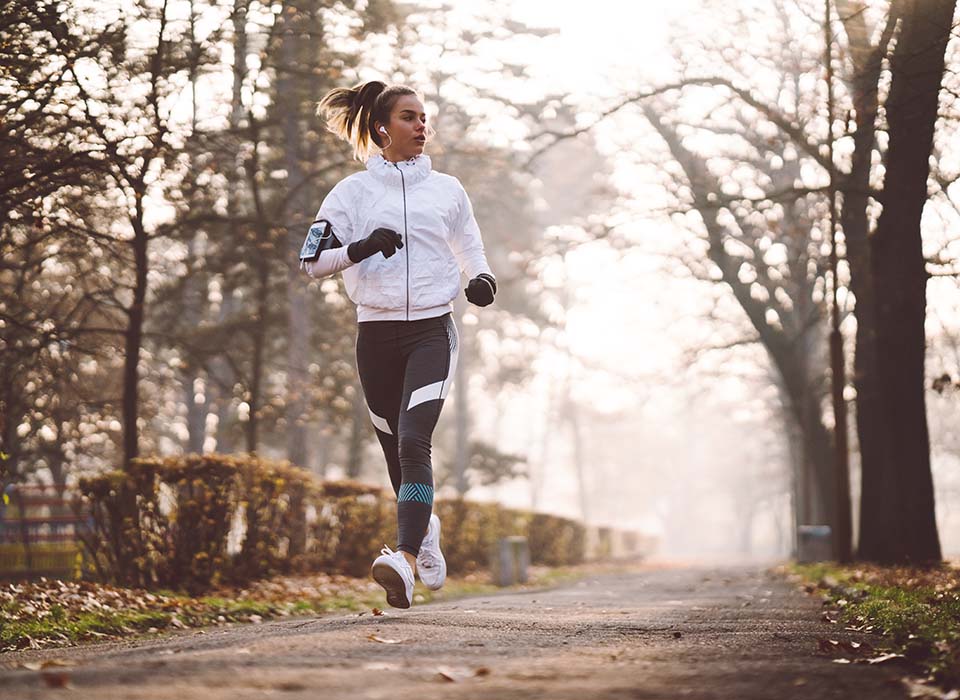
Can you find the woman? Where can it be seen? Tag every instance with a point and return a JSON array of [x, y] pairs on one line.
[[401, 233]]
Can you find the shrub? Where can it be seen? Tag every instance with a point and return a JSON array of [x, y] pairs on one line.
[[189, 522]]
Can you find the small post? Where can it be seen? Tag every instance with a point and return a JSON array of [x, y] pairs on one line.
[[814, 543], [511, 560]]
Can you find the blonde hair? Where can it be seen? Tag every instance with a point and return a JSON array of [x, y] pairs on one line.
[[350, 113]]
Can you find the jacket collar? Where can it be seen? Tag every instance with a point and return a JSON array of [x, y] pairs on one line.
[[414, 170]]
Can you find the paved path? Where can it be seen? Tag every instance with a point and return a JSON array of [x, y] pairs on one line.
[[651, 633]]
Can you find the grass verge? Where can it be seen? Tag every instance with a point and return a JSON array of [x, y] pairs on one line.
[[914, 613]]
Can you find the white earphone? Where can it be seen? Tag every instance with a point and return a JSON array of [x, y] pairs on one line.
[[383, 131]]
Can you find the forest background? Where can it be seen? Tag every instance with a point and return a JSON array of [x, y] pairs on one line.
[[654, 193]]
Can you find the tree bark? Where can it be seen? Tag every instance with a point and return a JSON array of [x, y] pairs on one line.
[[872, 432], [358, 424], [902, 517], [219, 367], [134, 337], [297, 31], [462, 407]]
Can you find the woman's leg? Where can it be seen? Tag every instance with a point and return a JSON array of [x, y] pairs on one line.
[[381, 365], [431, 348]]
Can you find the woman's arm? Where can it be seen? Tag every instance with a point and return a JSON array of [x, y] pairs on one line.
[[329, 263], [335, 209], [465, 240]]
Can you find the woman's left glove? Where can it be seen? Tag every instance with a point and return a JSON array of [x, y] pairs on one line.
[[481, 289]]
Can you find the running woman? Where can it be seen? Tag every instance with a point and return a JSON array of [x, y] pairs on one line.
[[401, 233]]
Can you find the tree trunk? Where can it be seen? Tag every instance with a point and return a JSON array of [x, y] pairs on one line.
[[873, 434], [901, 508], [219, 367], [194, 296], [579, 468], [290, 90], [357, 431], [797, 450], [791, 354], [259, 337], [462, 407], [134, 337]]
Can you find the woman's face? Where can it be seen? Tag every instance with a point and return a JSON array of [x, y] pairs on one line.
[[406, 131]]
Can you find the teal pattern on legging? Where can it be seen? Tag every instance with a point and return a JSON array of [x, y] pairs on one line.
[[422, 493]]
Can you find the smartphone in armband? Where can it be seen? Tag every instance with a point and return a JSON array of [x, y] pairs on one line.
[[319, 238]]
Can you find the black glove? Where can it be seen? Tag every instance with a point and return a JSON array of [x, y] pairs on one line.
[[382, 240], [481, 289]]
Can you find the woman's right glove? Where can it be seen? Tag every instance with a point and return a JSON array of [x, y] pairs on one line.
[[382, 240], [481, 289]]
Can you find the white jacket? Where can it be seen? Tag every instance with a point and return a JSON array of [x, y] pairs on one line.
[[432, 213]]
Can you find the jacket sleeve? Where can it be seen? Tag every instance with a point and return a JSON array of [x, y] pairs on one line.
[[336, 209], [465, 241]]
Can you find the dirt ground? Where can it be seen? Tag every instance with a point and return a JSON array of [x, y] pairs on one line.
[[654, 631]]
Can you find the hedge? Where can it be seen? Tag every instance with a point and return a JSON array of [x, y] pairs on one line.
[[191, 522]]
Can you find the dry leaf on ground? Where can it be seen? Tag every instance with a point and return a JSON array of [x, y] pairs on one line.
[[55, 679]]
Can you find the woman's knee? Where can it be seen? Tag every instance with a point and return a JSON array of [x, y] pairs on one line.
[[414, 448]]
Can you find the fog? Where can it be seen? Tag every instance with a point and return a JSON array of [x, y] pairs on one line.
[[620, 371]]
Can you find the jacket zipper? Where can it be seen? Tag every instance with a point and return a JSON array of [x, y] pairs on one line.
[[406, 236]]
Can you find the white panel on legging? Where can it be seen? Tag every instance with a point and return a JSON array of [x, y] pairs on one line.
[[438, 390], [426, 393], [380, 423]]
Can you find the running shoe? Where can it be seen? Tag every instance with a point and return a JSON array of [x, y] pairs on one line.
[[431, 565], [392, 571]]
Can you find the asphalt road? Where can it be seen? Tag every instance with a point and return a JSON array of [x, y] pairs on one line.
[[655, 632]]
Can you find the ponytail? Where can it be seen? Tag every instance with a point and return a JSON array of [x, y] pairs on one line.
[[351, 112]]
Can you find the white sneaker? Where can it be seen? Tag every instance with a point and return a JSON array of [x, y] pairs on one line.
[[393, 572], [431, 565]]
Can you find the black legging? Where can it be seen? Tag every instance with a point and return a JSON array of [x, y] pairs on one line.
[[406, 368]]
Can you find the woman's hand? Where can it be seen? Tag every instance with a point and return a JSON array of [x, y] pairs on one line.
[[382, 240], [481, 289]]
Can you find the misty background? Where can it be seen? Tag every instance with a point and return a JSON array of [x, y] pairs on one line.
[[169, 163]]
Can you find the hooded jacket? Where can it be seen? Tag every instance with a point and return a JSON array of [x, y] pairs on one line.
[[433, 215]]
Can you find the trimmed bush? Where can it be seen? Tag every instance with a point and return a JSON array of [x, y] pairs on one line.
[[190, 522], [555, 541], [355, 521]]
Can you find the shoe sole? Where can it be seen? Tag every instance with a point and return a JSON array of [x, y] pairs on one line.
[[393, 584]]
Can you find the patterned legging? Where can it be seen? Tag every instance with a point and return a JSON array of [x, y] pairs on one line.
[[406, 369]]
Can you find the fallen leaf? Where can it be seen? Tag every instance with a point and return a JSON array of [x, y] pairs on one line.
[[55, 679], [884, 658], [446, 676], [378, 612], [482, 671], [453, 675], [375, 638], [828, 645]]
